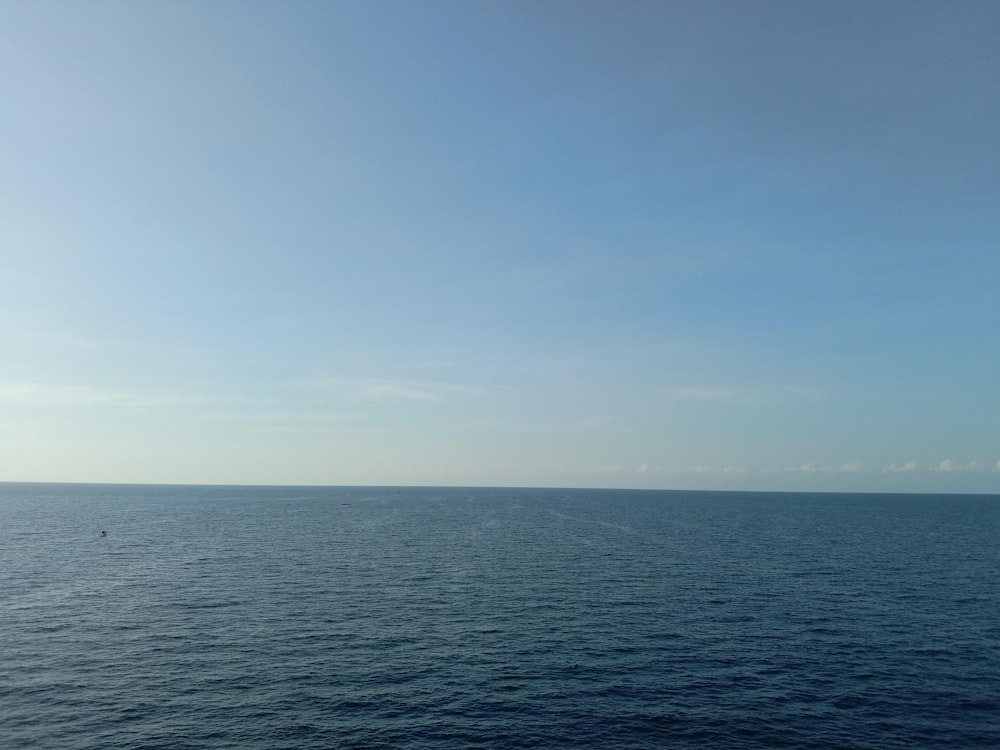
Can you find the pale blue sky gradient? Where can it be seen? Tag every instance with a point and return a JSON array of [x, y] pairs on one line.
[[740, 245]]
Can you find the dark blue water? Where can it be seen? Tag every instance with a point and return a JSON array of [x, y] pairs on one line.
[[272, 618]]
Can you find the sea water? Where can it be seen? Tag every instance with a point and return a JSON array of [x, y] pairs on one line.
[[267, 618]]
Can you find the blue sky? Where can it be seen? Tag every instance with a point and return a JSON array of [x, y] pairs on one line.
[[643, 244]]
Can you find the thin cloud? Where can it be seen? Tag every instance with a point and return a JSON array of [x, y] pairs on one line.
[[54, 395], [400, 392], [20, 334], [705, 393], [288, 421], [740, 394], [386, 389], [64, 395], [404, 390], [583, 424]]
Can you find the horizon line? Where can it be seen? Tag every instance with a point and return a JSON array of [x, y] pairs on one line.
[[6, 482]]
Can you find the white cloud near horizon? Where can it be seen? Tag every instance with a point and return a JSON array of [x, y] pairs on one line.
[[949, 466]]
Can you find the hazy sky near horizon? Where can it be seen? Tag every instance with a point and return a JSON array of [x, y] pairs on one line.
[[742, 245]]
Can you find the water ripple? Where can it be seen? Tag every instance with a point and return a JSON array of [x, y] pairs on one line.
[[365, 618]]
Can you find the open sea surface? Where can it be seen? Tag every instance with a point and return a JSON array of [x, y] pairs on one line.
[[269, 618]]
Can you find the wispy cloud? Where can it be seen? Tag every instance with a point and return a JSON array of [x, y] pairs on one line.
[[14, 333], [402, 392], [553, 427], [288, 421], [54, 395], [740, 393], [707, 393], [65, 395], [387, 389]]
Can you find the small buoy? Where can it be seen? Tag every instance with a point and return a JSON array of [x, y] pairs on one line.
[[103, 532]]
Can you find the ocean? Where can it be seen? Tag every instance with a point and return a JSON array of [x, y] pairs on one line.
[[291, 617]]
